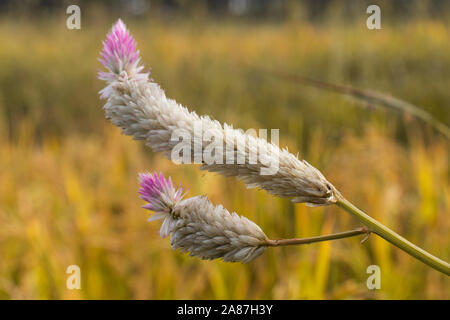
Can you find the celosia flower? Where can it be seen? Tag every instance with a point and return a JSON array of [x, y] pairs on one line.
[[196, 226], [141, 108]]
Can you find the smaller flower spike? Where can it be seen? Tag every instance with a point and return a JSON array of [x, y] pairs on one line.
[[119, 54], [198, 227]]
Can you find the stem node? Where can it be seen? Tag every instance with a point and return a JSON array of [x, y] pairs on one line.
[[392, 237]]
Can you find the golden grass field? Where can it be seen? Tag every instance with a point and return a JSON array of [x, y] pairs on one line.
[[69, 178]]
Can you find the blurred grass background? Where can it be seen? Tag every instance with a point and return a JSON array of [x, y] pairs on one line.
[[68, 178]]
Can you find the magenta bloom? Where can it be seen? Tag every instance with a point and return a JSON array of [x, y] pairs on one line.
[[162, 196], [119, 54]]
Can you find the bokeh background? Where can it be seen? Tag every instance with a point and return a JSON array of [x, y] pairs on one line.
[[68, 177]]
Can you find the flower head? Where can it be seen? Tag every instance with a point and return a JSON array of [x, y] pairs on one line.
[[120, 54], [197, 226], [162, 197]]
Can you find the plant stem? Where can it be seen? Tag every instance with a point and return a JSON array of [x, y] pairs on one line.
[[333, 236], [392, 237]]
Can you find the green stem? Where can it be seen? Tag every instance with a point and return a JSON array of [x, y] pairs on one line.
[[394, 238], [333, 236]]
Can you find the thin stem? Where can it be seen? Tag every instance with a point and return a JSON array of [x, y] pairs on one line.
[[333, 236], [392, 237], [365, 95]]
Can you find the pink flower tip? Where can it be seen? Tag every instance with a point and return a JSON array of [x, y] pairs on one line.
[[159, 192], [119, 53]]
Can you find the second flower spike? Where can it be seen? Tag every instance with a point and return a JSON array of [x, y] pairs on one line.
[[198, 227]]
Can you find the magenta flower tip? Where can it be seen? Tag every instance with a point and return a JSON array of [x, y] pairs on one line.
[[119, 53], [159, 192]]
